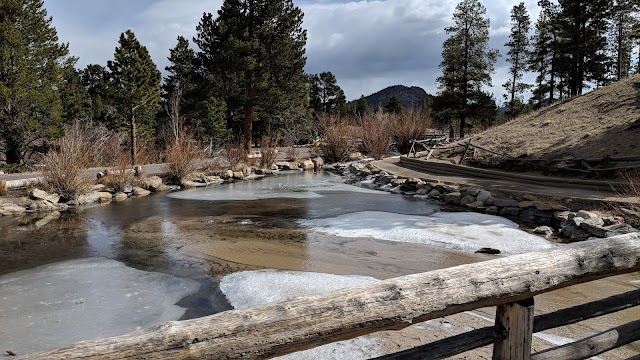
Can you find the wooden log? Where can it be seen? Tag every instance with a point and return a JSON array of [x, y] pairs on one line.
[[3, 187], [517, 319], [579, 159], [303, 323], [451, 346], [594, 345], [15, 184], [466, 149]]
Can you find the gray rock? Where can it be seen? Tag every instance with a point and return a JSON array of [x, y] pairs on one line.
[[493, 210], [422, 192], [188, 184], [446, 188], [398, 182], [506, 203], [452, 198], [89, 198], [308, 165], [105, 197], [128, 189], [510, 211], [586, 214], [8, 209], [318, 163], [470, 191], [238, 175], [38, 194], [140, 192], [613, 220], [592, 222], [435, 193], [468, 199], [547, 231], [477, 206], [562, 215], [577, 220], [42, 205], [356, 156], [620, 229], [120, 196], [580, 235], [483, 196], [526, 204], [153, 183]]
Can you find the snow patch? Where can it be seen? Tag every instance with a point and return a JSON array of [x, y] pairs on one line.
[[254, 288], [463, 231]]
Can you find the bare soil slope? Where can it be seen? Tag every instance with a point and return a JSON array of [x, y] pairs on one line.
[[604, 122]]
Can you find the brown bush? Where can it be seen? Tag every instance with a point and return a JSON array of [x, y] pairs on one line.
[[235, 154], [337, 139], [631, 211], [182, 157], [410, 125], [63, 168], [120, 176], [268, 152], [376, 139]]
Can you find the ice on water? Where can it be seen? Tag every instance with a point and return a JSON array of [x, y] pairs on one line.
[[62, 303], [294, 186], [254, 288], [463, 231]]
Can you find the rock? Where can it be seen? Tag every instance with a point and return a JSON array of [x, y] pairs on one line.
[[99, 187], [120, 196], [138, 171], [318, 163], [128, 189], [549, 206], [355, 168], [446, 188], [274, 167], [226, 175], [452, 198], [308, 165], [483, 196], [238, 175], [477, 206], [38, 194], [41, 205], [468, 199], [525, 204], [543, 230], [470, 191], [580, 235], [8, 209], [422, 192], [492, 210], [140, 192], [264, 172], [527, 197], [153, 183], [577, 220], [613, 220], [246, 171], [89, 198], [562, 215], [105, 197], [63, 207], [591, 222], [506, 203], [510, 211], [214, 179], [356, 156], [47, 219], [620, 229], [188, 184], [586, 214], [489, 251], [398, 182], [409, 187], [435, 193]]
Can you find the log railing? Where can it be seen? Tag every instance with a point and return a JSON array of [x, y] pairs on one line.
[[510, 283]]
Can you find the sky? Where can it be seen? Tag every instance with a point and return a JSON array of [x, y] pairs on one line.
[[367, 44]]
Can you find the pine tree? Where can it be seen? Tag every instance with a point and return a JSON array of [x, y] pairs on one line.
[[76, 103], [252, 56], [95, 79], [467, 61], [621, 33], [180, 95], [135, 87], [517, 55], [362, 107], [30, 75], [326, 96], [394, 106]]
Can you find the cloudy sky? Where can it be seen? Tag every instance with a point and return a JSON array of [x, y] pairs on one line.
[[367, 44]]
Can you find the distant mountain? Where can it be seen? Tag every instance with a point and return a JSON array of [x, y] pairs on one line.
[[410, 97]]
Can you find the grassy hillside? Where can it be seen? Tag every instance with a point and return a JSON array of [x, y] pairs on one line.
[[604, 122]]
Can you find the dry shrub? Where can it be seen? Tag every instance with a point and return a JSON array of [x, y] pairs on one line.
[[268, 152], [148, 153], [182, 157], [410, 125], [120, 176], [336, 144], [376, 139], [631, 211], [292, 153], [63, 168], [235, 154]]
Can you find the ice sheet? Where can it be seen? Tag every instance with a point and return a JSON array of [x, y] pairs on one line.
[[253, 288], [66, 302], [298, 186], [463, 231]]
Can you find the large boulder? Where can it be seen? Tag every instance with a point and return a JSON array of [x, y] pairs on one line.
[[308, 165], [586, 215], [120, 196], [90, 198], [483, 196], [8, 209], [506, 203], [105, 197], [42, 205], [140, 192], [452, 198], [318, 163], [38, 194], [154, 183]]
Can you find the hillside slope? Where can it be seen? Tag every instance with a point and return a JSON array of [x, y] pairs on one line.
[[410, 97], [604, 122]]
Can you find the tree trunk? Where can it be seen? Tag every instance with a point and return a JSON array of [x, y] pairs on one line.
[[248, 127], [134, 150], [13, 153]]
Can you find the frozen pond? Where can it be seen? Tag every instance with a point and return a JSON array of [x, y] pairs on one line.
[[116, 268]]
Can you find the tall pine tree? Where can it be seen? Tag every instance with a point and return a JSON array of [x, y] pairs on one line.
[[623, 21], [135, 85], [326, 96], [30, 75], [467, 61], [179, 89], [253, 54], [517, 56]]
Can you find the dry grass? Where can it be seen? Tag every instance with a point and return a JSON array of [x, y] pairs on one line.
[[120, 176], [182, 157], [268, 152], [292, 153], [410, 125], [235, 154], [632, 189], [376, 138], [63, 168], [337, 138]]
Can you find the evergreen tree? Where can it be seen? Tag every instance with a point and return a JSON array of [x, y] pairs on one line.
[[362, 107], [95, 79], [621, 36], [467, 61], [135, 87], [394, 106], [517, 55], [30, 75], [180, 97], [252, 56], [76, 104], [325, 94], [214, 125]]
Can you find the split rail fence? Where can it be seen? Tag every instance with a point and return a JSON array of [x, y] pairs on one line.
[[510, 283]]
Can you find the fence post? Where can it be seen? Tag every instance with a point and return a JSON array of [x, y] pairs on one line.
[[517, 319]]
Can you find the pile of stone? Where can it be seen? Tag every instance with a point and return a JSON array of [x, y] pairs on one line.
[[553, 218]]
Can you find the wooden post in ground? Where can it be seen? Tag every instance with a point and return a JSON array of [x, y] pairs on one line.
[[517, 319], [466, 150], [3, 187]]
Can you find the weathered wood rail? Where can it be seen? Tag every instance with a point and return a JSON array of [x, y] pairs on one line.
[[510, 283]]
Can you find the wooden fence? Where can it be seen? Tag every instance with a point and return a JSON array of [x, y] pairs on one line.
[[510, 283]]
